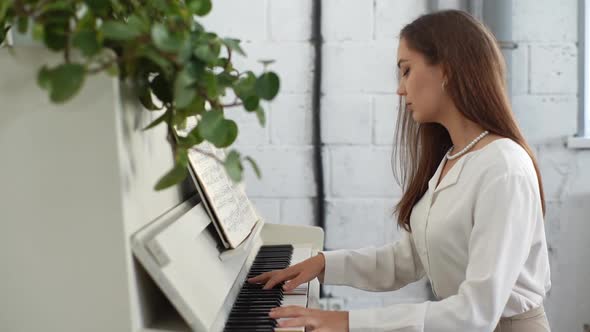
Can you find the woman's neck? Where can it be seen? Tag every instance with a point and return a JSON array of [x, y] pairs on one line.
[[461, 130]]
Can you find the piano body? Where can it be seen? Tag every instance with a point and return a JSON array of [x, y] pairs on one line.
[[77, 185], [206, 282]]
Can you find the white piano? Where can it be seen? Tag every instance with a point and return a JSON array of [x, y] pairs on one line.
[[206, 283], [77, 187]]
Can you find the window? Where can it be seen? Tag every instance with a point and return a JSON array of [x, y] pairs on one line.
[[582, 137]]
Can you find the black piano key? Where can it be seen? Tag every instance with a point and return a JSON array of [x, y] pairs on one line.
[[253, 303]]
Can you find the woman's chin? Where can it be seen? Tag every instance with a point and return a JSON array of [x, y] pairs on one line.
[[416, 117]]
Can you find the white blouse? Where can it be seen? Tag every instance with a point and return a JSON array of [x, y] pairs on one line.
[[479, 237]]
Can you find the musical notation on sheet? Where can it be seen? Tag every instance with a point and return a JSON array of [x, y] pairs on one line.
[[231, 208]]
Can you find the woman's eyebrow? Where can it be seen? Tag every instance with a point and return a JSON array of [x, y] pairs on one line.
[[400, 61]]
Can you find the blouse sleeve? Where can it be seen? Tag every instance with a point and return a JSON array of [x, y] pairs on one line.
[[386, 268], [505, 214]]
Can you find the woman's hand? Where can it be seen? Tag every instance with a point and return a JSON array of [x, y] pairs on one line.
[[296, 274], [314, 319]]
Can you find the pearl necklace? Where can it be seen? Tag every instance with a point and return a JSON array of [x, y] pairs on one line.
[[465, 149]]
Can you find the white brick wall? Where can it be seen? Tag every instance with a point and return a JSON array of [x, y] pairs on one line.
[[346, 119], [362, 171], [359, 67], [391, 16], [554, 68], [545, 87], [359, 109], [545, 20], [347, 20]]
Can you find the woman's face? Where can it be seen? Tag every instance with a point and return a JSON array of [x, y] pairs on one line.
[[420, 84]]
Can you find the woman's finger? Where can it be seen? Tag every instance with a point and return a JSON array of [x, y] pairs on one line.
[[276, 279], [263, 277], [288, 311], [291, 285], [279, 277], [299, 321]]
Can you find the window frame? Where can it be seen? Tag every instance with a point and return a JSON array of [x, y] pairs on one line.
[[581, 140]]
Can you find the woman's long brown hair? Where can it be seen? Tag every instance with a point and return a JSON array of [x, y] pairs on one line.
[[476, 83]]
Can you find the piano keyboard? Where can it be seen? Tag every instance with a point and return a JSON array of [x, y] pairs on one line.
[[250, 310]]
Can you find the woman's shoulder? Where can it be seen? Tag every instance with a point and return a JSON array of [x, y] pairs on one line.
[[504, 157]]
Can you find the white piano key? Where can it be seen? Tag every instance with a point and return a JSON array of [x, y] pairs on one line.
[[298, 300], [290, 329], [299, 255], [297, 296]]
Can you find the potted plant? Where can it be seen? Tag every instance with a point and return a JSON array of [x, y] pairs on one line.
[[174, 65]]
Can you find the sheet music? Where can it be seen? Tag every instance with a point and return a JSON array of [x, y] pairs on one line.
[[231, 208]]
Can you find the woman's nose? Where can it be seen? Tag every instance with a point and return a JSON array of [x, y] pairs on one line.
[[401, 90]]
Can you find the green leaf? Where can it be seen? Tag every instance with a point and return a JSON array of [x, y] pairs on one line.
[[251, 103], [217, 130], [208, 81], [87, 42], [119, 31], [267, 85], [145, 98], [164, 40], [210, 124], [234, 45], [205, 53], [44, 78], [254, 166], [87, 22], [155, 57], [231, 133], [142, 89], [137, 24], [157, 121], [184, 91], [172, 177], [199, 7], [38, 31], [55, 37], [161, 88], [233, 166], [57, 6], [193, 138], [98, 6], [22, 24], [4, 5], [245, 86], [197, 106], [65, 81], [3, 32], [261, 116], [226, 79]]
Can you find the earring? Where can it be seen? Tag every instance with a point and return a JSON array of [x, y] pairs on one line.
[[444, 83]]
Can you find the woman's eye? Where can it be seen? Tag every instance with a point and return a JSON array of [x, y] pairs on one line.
[[406, 72]]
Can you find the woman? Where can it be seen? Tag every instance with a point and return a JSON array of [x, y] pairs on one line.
[[472, 209]]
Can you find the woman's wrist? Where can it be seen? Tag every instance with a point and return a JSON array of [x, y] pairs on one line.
[[322, 259]]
